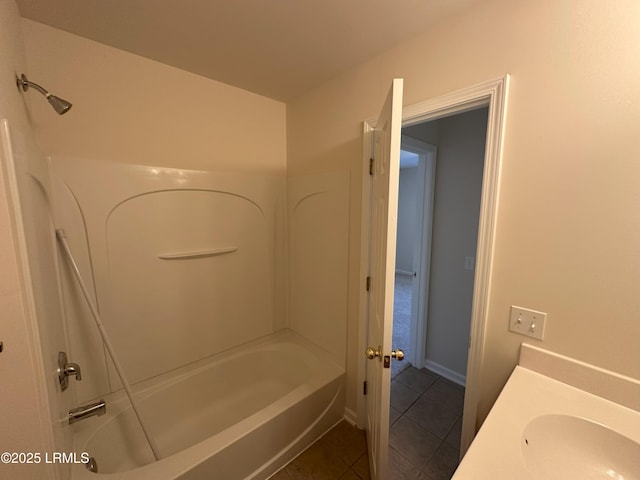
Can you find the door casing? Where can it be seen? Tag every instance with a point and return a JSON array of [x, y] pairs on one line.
[[492, 94], [425, 189]]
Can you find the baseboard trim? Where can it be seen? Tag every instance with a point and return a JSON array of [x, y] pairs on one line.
[[350, 416], [404, 272], [445, 372]]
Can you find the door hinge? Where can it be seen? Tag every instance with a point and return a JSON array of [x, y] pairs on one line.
[[368, 283], [371, 166], [364, 387]]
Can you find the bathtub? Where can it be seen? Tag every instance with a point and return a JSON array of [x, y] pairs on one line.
[[241, 414]]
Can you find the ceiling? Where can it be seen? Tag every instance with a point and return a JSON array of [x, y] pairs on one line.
[[276, 48]]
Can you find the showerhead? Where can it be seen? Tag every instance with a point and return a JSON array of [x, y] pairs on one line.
[[59, 105]]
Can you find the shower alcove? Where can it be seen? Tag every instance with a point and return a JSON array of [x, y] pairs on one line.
[[207, 282]]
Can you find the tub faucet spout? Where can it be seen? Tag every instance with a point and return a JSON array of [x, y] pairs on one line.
[[86, 411]]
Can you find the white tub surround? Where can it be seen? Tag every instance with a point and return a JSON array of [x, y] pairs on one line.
[[572, 403], [191, 263], [194, 274], [182, 264], [240, 414]]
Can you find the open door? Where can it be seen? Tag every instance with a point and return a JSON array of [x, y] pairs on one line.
[[384, 211]]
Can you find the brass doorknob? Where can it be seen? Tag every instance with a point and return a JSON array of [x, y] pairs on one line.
[[372, 353], [397, 354]]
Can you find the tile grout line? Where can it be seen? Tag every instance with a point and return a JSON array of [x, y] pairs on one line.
[[442, 441]]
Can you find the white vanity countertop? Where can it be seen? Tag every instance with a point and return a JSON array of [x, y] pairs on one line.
[[497, 451]]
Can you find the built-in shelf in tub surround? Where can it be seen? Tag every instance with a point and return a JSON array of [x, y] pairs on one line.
[[214, 252], [548, 394]]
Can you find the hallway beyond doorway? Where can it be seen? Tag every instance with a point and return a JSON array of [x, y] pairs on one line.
[[425, 426], [402, 319]]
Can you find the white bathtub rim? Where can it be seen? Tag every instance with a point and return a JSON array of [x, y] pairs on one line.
[[174, 465], [299, 437], [150, 386], [118, 403]]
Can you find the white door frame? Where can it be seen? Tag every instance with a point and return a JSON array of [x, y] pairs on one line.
[[426, 179], [493, 94]]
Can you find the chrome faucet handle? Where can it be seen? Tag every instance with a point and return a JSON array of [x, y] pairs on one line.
[[73, 369], [66, 370]]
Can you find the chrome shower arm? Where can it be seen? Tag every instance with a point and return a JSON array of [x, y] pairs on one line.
[[60, 105], [25, 84]]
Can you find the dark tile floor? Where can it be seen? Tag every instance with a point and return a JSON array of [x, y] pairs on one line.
[[425, 422], [424, 436], [426, 409], [425, 425], [341, 454]]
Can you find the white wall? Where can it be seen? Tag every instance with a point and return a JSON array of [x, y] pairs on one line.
[[460, 140], [573, 117], [25, 412], [318, 227], [572, 123], [407, 212], [461, 144], [130, 109], [118, 218], [126, 109]]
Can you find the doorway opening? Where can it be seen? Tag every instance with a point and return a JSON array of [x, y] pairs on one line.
[[375, 327], [437, 232], [415, 213]]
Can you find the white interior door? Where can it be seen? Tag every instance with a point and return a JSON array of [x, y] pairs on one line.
[[384, 211], [422, 251]]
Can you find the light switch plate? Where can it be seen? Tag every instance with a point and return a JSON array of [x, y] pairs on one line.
[[527, 322], [469, 263]]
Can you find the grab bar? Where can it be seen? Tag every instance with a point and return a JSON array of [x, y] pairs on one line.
[[62, 238]]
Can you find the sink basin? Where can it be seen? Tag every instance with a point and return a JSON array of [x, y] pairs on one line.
[[564, 447]]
